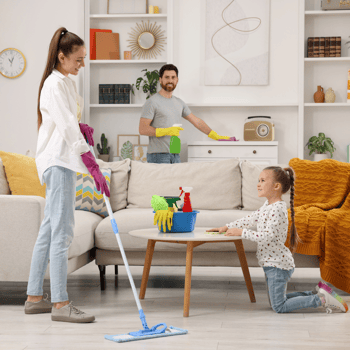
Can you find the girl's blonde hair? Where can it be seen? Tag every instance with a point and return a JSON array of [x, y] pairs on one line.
[[62, 41], [286, 177]]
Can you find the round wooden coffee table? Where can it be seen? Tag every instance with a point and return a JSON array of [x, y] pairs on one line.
[[192, 239]]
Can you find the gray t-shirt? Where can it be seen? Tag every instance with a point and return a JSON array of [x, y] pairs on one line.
[[164, 112]]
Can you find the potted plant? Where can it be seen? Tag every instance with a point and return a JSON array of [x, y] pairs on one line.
[[150, 85], [104, 151], [320, 145]]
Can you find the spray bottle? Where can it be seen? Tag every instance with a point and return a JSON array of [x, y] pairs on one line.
[[175, 142], [187, 201]]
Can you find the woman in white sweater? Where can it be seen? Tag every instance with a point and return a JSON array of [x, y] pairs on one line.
[[61, 152], [274, 257]]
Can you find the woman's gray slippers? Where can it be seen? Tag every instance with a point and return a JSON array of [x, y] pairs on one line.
[[40, 307]]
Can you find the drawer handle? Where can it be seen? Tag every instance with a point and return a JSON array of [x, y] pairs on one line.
[[254, 151], [209, 151]]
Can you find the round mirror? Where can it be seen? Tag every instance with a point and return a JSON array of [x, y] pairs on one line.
[[146, 40]]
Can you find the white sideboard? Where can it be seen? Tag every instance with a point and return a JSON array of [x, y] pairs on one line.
[[258, 152]]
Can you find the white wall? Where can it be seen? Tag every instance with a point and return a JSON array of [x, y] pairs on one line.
[[18, 97]]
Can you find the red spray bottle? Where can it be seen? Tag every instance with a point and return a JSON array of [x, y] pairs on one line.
[[187, 201]]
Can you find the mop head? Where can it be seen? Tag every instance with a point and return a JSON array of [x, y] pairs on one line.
[[159, 203], [121, 338]]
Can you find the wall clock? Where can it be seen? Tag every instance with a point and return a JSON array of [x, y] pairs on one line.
[[12, 63]]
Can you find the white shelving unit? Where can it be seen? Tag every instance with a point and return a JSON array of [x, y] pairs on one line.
[[327, 71], [120, 71]]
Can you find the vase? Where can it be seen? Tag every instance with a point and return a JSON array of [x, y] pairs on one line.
[[104, 157], [330, 96], [321, 156], [319, 95]]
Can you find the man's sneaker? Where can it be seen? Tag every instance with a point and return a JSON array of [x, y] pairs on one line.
[[330, 299], [70, 313], [39, 307]]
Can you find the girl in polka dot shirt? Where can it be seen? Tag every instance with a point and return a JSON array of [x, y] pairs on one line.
[[274, 257]]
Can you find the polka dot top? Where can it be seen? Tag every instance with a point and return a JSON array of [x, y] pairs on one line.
[[272, 228]]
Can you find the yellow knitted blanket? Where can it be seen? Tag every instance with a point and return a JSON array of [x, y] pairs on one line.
[[320, 187]]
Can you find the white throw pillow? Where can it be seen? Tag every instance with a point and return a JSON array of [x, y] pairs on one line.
[[216, 185]]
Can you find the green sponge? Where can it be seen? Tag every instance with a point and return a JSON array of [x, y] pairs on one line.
[[159, 203]]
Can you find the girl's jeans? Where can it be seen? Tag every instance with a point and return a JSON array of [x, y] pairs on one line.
[[276, 280], [55, 234]]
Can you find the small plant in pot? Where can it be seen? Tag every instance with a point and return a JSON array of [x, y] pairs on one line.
[[104, 150], [320, 145], [150, 85]]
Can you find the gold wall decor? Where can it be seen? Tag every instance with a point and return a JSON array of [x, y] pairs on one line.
[[147, 40]]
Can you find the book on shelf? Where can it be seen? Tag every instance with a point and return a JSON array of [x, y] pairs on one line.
[[338, 46], [107, 46], [93, 41], [321, 47], [332, 46], [316, 47], [310, 47], [106, 93], [327, 46], [122, 93], [114, 93]]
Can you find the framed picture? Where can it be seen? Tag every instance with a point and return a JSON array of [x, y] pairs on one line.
[[125, 143], [140, 153]]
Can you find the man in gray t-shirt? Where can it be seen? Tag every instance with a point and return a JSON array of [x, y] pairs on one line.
[[161, 112]]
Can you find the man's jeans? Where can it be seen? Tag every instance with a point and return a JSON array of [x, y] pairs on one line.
[[276, 280], [165, 158], [55, 234]]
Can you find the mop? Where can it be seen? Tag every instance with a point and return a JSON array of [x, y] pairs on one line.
[[157, 331]]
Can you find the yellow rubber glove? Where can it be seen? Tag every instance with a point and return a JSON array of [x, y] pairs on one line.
[[172, 131], [213, 135], [164, 217]]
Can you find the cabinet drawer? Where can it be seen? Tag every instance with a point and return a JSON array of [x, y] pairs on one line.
[[233, 151]]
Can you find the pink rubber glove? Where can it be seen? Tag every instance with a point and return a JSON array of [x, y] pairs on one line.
[[100, 181], [87, 131], [232, 138]]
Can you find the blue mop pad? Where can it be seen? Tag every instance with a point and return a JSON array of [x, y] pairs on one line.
[[146, 332], [122, 338]]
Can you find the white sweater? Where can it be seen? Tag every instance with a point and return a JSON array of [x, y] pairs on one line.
[[272, 224], [60, 141]]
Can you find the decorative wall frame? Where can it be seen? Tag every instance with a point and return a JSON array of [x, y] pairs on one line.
[[139, 153], [125, 145], [147, 40]]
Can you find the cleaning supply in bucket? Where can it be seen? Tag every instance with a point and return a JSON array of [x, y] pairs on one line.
[[187, 201], [175, 142], [165, 218], [146, 332], [159, 203]]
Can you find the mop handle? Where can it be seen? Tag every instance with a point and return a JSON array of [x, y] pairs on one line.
[[115, 228]]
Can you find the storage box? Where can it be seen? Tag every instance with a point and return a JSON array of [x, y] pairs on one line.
[[335, 5]]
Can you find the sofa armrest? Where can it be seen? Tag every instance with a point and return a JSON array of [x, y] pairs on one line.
[[20, 220]]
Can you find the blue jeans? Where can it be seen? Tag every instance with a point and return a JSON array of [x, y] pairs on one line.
[[276, 280], [55, 234], [166, 158]]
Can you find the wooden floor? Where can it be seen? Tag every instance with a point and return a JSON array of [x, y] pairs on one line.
[[221, 314]]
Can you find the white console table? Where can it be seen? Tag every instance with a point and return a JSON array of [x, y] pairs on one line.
[[258, 152]]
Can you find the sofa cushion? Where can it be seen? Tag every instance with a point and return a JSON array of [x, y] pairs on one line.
[[4, 185], [250, 179], [216, 185], [87, 196], [142, 218], [84, 228], [22, 174], [119, 182]]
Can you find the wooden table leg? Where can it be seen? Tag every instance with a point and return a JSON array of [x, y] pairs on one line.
[[244, 266], [189, 256], [148, 261]]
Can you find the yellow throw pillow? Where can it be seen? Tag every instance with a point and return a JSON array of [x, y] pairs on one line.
[[22, 174]]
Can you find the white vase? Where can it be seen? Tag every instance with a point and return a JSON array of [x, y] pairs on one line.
[[318, 157]]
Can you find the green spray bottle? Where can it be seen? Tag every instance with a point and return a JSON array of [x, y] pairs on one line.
[[175, 142]]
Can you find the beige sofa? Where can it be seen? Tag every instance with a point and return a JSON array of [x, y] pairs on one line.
[[223, 191]]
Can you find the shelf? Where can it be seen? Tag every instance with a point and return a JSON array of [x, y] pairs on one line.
[[194, 105], [324, 105], [131, 15], [327, 59], [327, 13], [238, 143], [127, 62]]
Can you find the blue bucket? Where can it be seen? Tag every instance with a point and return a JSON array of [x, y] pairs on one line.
[[182, 222]]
